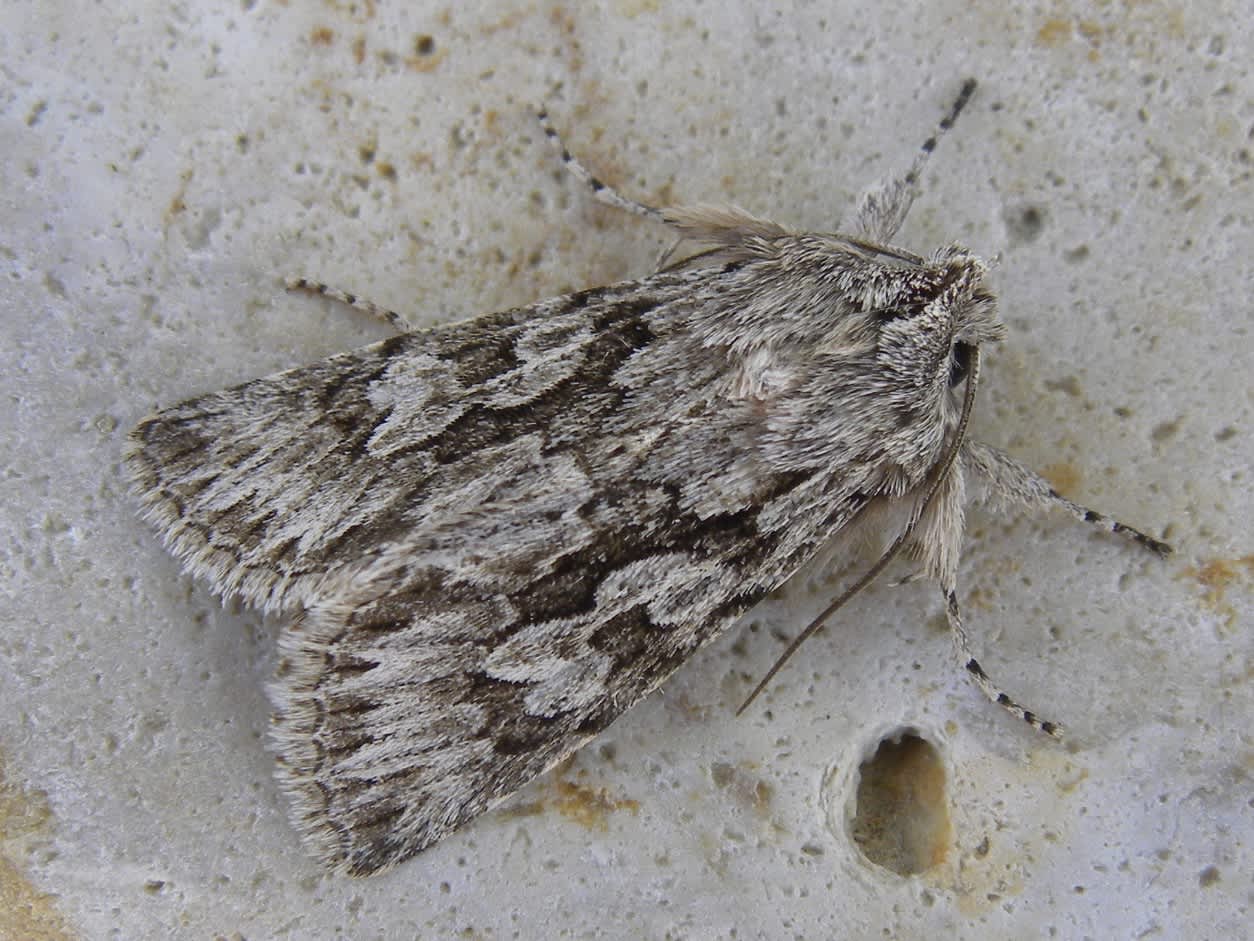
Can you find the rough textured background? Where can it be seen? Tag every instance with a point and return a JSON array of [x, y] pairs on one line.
[[164, 165]]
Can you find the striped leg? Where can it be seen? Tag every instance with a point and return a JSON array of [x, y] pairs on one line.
[[883, 208], [391, 317], [963, 650], [602, 192], [1008, 481]]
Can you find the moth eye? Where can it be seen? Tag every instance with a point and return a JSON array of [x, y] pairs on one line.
[[959, 363]]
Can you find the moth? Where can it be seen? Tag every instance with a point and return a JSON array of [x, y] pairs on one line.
[[489, 539]]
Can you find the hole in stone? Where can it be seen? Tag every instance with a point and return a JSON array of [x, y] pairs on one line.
[[901, 819]]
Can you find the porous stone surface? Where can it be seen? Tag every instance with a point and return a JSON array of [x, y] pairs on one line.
[[165, 166]]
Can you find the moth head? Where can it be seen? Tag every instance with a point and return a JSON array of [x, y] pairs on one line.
[[967, 308]]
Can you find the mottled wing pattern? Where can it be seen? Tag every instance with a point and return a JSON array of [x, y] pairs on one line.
[[496, 537]]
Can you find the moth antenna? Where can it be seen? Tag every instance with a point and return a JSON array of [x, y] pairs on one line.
[[601, 191], [827, 612], [968, 402]]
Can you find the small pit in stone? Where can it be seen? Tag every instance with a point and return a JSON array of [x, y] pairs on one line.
[[1024, 223], [901, 818]]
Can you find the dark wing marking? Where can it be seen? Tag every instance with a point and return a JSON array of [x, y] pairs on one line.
[[415, 695]]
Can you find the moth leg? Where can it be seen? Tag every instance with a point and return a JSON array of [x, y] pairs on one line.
[[1007, 481], [391, 317], [963, 649], [883, 208], [664, 258], [602, 192]]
